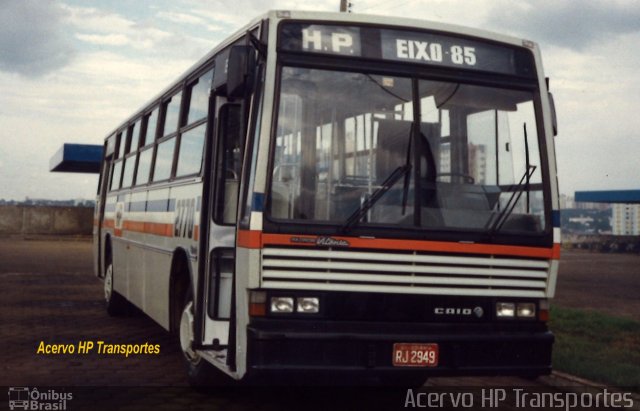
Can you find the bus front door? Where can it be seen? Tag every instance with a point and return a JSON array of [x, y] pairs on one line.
[[219, 275], [98, 259]]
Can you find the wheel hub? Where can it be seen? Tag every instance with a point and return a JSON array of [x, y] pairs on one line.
[[186, 333], [108, 283]]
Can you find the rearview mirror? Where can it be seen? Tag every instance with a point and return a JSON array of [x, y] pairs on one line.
[[240, 70]]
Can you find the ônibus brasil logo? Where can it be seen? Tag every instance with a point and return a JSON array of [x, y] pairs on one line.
[[25, 398]]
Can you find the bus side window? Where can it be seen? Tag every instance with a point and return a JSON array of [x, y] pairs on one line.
[[229, 164], [192, 136], [121, 139], [199, 98], [115, 177], [129, 168], [164, 160], [151, 125], [134, 136], [172, 114], [191, 151], [144, 166]]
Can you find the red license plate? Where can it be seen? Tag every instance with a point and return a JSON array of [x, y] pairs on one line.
[[415, 355]]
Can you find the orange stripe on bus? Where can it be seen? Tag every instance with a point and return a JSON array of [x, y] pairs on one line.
[[137, 226], [161, 229], [250, 239], [257, 239], [165, 230]]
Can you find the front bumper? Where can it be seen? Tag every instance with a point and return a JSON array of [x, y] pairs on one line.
[[366, 347]]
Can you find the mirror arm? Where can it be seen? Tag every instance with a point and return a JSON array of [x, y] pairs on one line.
[[259, 46]]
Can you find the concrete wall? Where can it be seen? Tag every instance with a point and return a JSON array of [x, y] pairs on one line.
[[46, 220]]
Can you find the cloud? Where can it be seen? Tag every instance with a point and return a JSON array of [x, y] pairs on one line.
[[570, 24], [103, 28], [104, 39], [218, 12], [32, 37], [189, 19], [96, 20], [181, 17], [140, 38], [460, 12]]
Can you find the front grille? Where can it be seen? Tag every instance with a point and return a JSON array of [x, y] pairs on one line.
[[403, 273]]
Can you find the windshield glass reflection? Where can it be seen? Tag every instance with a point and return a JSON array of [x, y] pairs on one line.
[[463, 151]]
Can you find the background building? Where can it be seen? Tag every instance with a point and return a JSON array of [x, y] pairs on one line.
[[626, 219]]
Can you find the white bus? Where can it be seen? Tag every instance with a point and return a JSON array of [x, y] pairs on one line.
[[331, 194]]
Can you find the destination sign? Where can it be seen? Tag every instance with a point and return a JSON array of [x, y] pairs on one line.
[[409, 46]]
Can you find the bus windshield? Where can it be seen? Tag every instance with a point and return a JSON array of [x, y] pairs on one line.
[[468, 155]]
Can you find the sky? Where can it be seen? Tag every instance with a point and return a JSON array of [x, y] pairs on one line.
[[72, 70]]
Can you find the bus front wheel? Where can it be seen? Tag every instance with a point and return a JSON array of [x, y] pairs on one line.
[[200, 373], [116, 304]]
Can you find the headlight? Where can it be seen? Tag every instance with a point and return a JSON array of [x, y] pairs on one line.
[[526, 310], [281, 304], [308, 305], [505, 310]]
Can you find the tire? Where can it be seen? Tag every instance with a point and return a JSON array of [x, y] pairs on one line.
[[200, 373], [116, 305]]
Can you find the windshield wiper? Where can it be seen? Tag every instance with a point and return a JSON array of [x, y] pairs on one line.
[[522, 185], [355, 217], [513, 200]]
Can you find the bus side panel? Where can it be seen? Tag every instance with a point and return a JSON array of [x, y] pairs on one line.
[[158, 219], [171, 225], [119, 250], [133, 233], [186, 220]]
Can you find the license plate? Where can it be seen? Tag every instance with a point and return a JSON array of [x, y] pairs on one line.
[[415, 355]]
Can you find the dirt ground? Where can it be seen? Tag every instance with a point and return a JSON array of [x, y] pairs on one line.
[[604, 282]]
